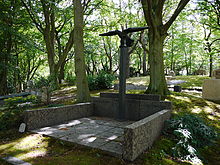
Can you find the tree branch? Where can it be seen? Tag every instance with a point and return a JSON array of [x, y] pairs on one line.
[[179, 8], [38, 25], [214, 41]]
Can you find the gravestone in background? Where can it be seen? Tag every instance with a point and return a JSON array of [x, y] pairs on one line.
[[211, 87], [216, 74]]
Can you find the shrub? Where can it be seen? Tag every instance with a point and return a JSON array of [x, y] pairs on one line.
[[14, 101], [71, 80], [11, 118], [101, 81], [191, 133]]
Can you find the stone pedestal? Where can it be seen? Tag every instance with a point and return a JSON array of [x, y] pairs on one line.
[[211, 89]]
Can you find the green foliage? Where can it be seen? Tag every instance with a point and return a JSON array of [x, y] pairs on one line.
[[47, 82], [70, 79], [192, 133], [12, 116], [101, 81], [14, 101]]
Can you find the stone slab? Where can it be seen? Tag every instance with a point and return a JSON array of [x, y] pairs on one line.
[[113, 148], [95, 132], [15, 161], [211, 89]]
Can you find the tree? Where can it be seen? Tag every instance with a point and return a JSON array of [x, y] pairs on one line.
[[46, 15], [158, 31], [80, 67], [210, 12]]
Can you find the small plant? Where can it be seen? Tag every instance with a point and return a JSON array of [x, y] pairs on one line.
[[191, 133], [101, 81], [14, 101]]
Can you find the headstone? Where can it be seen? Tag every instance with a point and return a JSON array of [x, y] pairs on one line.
[[177, 88], [45, 97], [211, 89], [171, 73], [216, 74], [22, 127]]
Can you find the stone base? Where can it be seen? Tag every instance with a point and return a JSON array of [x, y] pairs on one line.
[[211, 89]]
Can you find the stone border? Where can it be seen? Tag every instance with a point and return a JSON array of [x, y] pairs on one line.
[[132, 96], [135, 109], [56, 115], [140, 135]]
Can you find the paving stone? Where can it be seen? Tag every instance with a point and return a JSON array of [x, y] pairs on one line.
[[70, 124], [106, 135], [76, 137], [92, 141], [112, 147], [117, 131]]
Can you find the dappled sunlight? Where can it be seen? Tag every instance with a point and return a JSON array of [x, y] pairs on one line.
[[183, 98], [196, 110], [207, 109], [211, 117], [139, 80], [27, 147]]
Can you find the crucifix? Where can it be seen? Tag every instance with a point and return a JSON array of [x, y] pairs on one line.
[[126, 42]]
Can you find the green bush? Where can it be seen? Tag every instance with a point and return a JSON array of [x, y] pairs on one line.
[[11, 118], [191, 133], [101, 81], [71, 80], [14, 101], [48, 82]]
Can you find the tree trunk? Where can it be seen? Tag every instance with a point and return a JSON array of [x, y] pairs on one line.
[[153, 13], [144, 63], [157, 77], [80, 67], [61, 72]]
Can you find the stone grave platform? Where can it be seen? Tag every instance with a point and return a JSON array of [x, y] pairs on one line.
[[143, 121], [97, 132]]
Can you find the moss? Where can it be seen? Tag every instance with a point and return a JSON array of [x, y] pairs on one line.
[[160, 153], [211, 153]]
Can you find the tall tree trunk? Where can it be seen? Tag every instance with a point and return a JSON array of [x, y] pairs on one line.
[[5, 60], [61, 72], [153, 13], [80, 67], [144, 63], [157, 77]]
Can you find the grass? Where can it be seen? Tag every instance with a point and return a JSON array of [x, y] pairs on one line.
[[192, 81], [38, 149]]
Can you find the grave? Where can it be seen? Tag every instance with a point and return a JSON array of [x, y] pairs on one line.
[[98, 125], [211, 87], [121, 124]]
